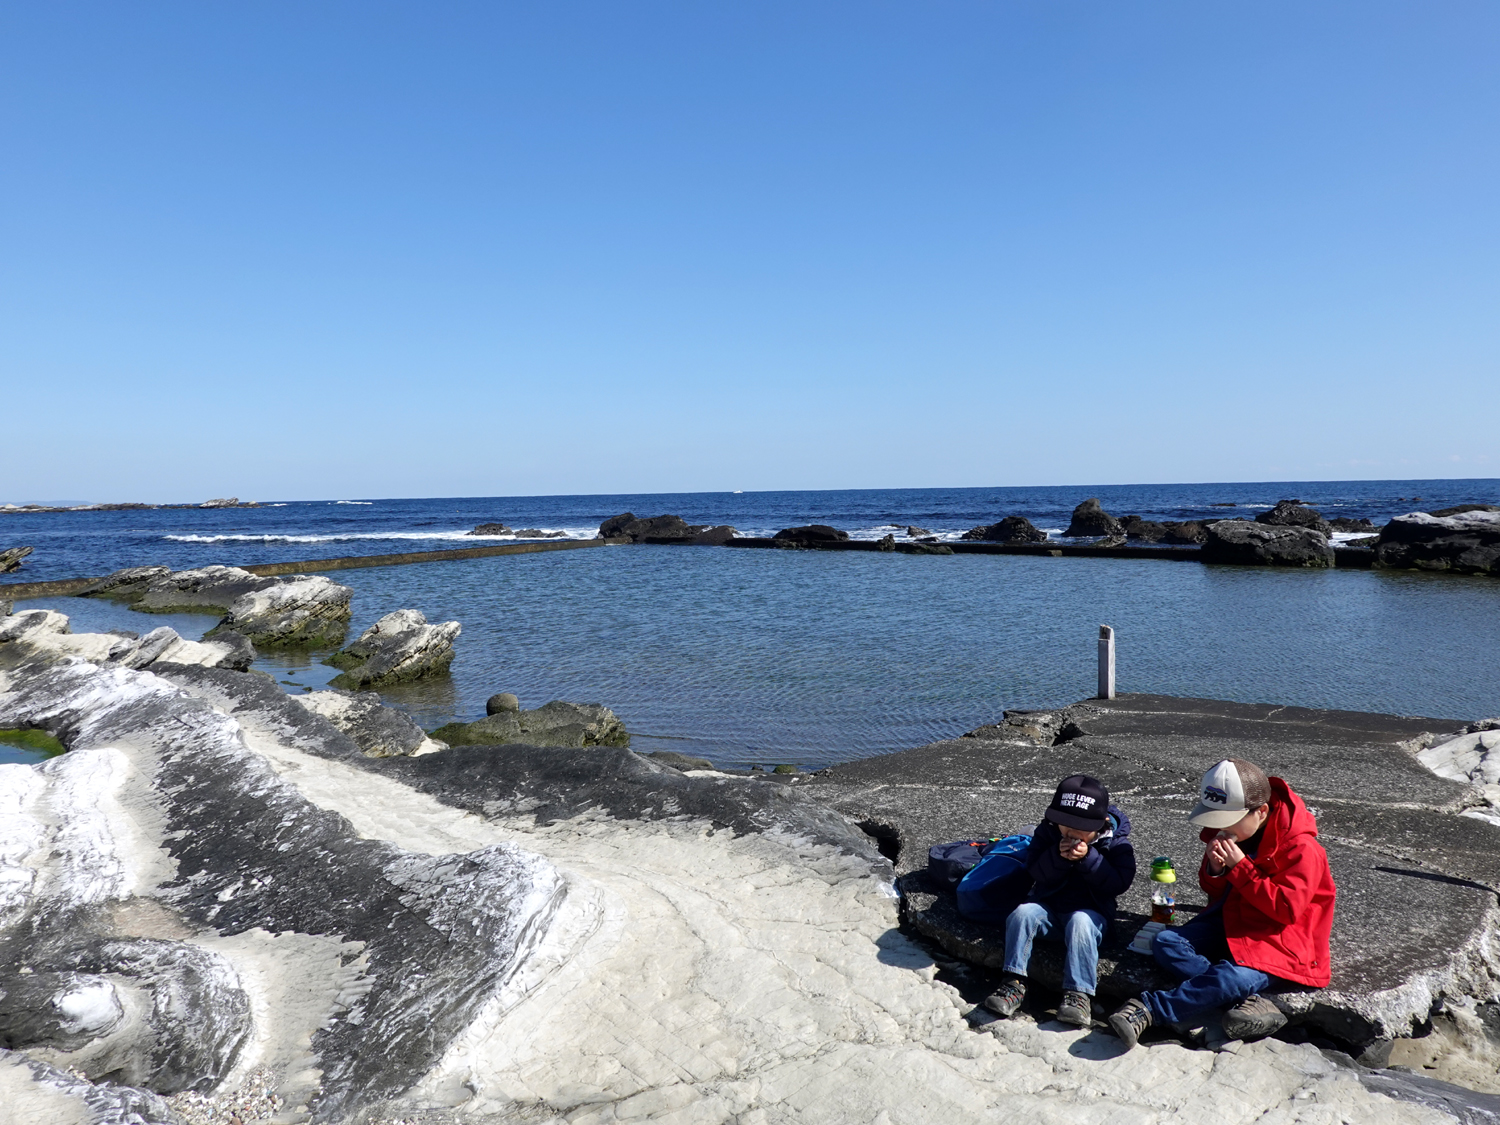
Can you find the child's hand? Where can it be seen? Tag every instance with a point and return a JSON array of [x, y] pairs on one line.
[[1071, 849], [1223, 853]]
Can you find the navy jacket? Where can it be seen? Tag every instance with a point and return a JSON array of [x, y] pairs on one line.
[[1091, 883]]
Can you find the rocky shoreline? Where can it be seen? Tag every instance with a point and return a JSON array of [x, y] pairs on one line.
[[224, 895]]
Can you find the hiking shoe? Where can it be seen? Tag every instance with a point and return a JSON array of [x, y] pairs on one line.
[[1254, 1017], [1006, 1000], [1076, 1009], [1128, 1023]]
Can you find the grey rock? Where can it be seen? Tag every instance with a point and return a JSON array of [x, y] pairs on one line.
[[1416, 916], [1185, 531], [682, 762], [811, 535], [44, 636], [400, 647], [1340, 523], [1363, 541], [1149, 531], [1467, 542], [126, 584], [1293, 513], [228, 502], [714, 536], [501, 702], [1110, 541], [1258, 544], [917, 532], [575, 725], [887, 542], [1011, 529], [12, 558], [921, 548], [538, 533], [379, 731], [6, 605], [1460, 509], [1090, 520], [491, 529]]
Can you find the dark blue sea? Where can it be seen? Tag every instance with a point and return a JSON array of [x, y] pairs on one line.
[[764, 657]]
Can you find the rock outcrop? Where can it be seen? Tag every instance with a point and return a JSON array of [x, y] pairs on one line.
[[1090, 520], [1164, 531], [12, 557], [491, 529], [379, 731], [1258, 544], [298, 610], [1341, 523], [538, 533], [1467, 541], [1293, 513], [1011, 529], [574, 725], [400, 647], [628, 526], [45, 635], [811, 535]]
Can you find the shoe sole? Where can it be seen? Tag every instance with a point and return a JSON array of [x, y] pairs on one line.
[[1074, 1018], [1252, 1029], [1124, 1030]]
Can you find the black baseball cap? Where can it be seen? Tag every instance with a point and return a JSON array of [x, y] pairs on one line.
[[1080, 802]]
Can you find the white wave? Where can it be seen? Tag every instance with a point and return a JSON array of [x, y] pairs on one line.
[[352, 536], [366, 503]]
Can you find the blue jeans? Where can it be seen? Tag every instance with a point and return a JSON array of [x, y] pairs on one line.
[[1083, 930], [1199, 953]]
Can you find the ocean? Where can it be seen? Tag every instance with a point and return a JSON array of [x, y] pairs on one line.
[[812, 658]]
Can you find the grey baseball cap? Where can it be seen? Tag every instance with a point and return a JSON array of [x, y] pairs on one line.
[[1228, 791]]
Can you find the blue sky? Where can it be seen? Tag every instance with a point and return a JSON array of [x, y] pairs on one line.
[[317, 249]]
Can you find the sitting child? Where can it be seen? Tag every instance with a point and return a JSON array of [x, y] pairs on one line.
[[1269, 916], [1080, 860]]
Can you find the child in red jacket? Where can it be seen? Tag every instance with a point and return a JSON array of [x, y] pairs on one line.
[[1269, 916]]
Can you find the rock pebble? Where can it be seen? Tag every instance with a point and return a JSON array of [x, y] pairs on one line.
[[1090, 520], [398, 648], [1464, 540], [568, 725], [1258, 544], [501, 702]]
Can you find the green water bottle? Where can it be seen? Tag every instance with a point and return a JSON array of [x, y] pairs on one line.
[[1163, 876]]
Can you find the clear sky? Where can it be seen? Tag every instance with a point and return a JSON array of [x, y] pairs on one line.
[[314, 249]]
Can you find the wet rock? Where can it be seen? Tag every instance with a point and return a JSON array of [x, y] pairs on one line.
[[11, 558], [1185, 531], [1090, 520], [1258, 544], [500, 703], [1293, 513], [491, 529], [1341, 523], [924, 548], [1149, 531], [379, 731], [300, 610], [575, 725], [811, 535], [1363, 541], [1109, 541], [627, 526], [886, 542], [400, 647], [714, 536], [914, 532], [1467, 542], [1011, 529], [127, 584], [537, 533]]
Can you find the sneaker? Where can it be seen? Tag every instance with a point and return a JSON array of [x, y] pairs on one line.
[[1076, 1009], [1254, 1017], [1128, 1023], [1006, 1000]]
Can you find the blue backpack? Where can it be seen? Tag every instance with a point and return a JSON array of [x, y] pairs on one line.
[[948, 863], [998, 883]]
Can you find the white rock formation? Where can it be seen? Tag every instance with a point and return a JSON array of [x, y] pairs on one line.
[[401, 646], [380, 731], [46, 634]]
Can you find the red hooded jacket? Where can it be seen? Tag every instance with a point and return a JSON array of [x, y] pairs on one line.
[[1278, 907]]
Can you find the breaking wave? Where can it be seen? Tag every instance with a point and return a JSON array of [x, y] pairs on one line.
[[352, 536]]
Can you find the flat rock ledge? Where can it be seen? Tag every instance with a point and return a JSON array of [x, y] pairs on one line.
[[1416, 856], [298, 610], [398, 648], [573, 725]]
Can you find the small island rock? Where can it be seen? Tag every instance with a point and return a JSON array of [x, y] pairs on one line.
[[1090, 520], [811, 535]]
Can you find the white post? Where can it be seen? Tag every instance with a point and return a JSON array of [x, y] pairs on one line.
[[1106, 662]]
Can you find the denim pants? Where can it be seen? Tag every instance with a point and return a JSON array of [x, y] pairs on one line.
[[1199, 953], [1082, 931]]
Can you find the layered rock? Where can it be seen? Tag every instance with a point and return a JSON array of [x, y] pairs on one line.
[[1090, 520], [45, 635], [1011, 529], [298, 610], [1258, 544], [1467, 541], [810, 535], [1294, 513], [400, 647], [379, 731], [12, 558], [576, 725]]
